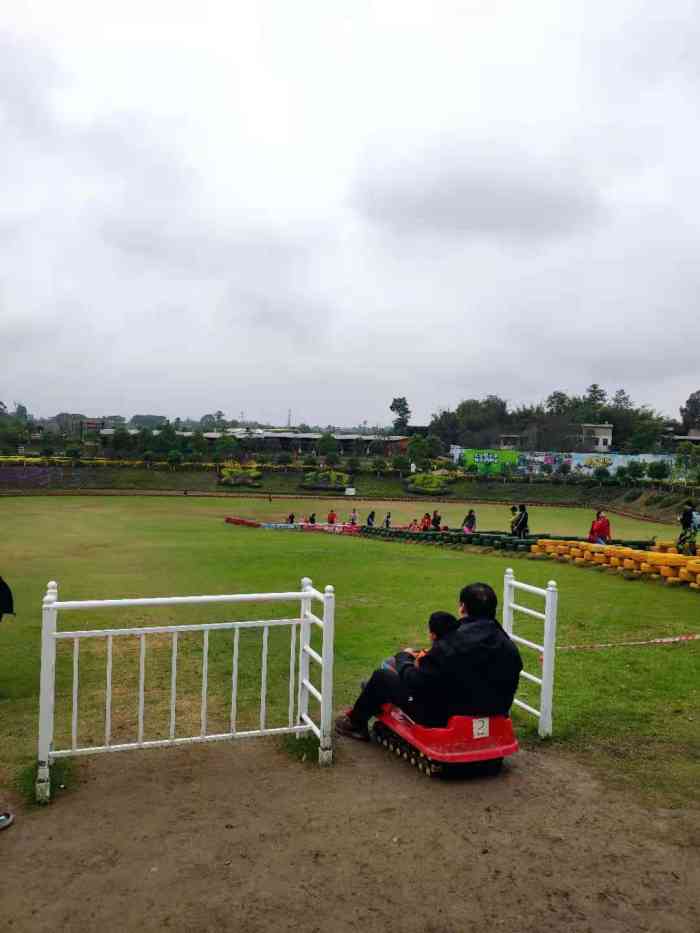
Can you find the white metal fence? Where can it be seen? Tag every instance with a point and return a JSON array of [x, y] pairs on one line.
[[546, 650], [300, 685]]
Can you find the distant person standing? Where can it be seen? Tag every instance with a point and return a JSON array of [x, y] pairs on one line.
[[521, 526], [600, 529], [370, 519], [7, 607], [332, 517], [513, 518], [469, 523], [290, 518], [387, 521], [7, 604], [687, 539], [312, 518], [436, 520], [354, 517]]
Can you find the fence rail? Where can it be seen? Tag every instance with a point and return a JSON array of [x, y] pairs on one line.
[[546, 650], [300, 687]]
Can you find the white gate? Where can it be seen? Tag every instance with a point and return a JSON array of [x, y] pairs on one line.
[[546, 650], [300, 687]]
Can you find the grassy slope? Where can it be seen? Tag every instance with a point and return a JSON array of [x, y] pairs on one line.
[[631, 710], [663, 507]]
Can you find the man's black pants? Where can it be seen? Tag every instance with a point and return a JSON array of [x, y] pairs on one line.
[[383, 687]]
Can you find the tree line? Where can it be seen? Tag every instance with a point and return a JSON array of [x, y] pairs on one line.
[[556, 423]]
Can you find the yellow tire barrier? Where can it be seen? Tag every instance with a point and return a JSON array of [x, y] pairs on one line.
[[662, 562]]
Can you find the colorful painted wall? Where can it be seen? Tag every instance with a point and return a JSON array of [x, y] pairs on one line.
[[532, 462], [488, 461]]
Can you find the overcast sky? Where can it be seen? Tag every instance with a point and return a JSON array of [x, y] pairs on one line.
[[257, 206]]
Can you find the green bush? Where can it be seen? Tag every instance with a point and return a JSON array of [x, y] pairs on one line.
[[332, 480], [658, 470], [237, 475], [428, 484]]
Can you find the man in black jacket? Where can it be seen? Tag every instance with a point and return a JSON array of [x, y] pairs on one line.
[[472, 671], [521, 526], [6, 601]]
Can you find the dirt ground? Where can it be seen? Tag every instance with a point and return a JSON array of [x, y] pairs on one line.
[[240, 837]]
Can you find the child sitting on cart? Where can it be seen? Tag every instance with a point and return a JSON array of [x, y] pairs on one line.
[[439, 624]]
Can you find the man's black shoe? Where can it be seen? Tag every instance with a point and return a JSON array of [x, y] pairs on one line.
[[346, 727]]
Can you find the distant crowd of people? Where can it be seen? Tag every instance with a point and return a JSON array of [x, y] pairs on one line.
[[332, 519], [600, 531], [519, 521]]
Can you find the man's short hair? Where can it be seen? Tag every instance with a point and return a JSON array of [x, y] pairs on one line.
[[479, 601]]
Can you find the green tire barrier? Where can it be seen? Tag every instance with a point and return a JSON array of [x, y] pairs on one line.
[[498, 540]]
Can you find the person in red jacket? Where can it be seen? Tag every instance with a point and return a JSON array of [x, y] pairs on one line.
[[332, 517], [600, 529]]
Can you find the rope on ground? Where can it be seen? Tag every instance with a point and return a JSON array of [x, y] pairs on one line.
[[629, 644]]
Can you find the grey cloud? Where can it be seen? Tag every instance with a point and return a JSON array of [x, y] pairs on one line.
[[465, 189], [181, 241], [27, 75], [143, 270], [292, 317]]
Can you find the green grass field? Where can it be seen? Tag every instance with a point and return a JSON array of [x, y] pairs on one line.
[[632, 712]]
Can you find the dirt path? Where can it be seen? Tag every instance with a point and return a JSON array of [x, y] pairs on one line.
[[239, 837]]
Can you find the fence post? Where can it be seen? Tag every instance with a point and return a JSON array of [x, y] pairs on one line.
[[304, 632], [507, 600], [550, 637], [42, 787], [325, 751]]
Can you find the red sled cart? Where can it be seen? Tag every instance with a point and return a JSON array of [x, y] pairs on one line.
[[475, 744]]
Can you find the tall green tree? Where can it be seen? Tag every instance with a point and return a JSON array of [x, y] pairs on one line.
[[595, 395], [690, 412], [684, 455], [400, 408], [21, 413], [445, 425], [558, 403], [418, 450], [327, 444], [621, 400]]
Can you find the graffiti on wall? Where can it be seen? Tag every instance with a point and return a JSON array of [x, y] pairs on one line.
[[528, 463], [486, 462]]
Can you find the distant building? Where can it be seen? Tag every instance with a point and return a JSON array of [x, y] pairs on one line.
[[528, 439], [294, 441], [693, 436], [68, 423], [596, 437], [91, 426]]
